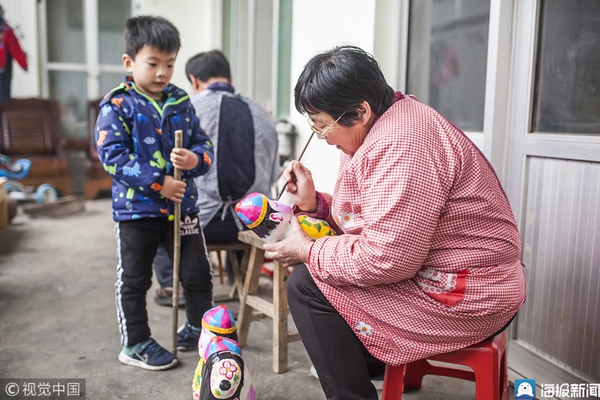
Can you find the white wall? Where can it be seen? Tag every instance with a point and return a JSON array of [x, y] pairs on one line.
[[199, 23], [23, 13], [318, 26]]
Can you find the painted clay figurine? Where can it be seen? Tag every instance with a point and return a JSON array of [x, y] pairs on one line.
[[224, 375], [219, 323], [270, 219]]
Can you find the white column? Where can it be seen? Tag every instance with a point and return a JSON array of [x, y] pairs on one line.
[[496, 88], [92, 41]]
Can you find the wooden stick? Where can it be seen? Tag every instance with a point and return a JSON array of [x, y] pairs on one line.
[[176, 249], [299, 158]]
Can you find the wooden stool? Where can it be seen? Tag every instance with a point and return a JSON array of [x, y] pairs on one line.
[[239, 268], [487, 360], [278, 309]]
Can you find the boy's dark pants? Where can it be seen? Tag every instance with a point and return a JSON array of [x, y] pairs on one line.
[[217, 231], [137, 241]]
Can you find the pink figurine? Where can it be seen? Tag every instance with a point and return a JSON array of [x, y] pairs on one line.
[[221, 373], [224, 375], [270, 219]]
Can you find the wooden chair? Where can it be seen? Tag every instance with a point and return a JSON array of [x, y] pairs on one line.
[[96, 178], [31, 129]]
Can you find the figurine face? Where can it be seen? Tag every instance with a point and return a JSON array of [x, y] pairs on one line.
[[225, 378], [269, 219]]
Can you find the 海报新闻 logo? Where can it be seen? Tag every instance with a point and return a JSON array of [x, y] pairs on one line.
[[524, 389]]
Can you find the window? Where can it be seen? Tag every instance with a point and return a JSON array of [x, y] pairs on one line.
[[567, 87], [84, 44], [447, 58], [257, 38]]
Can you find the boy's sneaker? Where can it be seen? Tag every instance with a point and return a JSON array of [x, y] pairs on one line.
[[377, 381], [186, 339], [150, 355]]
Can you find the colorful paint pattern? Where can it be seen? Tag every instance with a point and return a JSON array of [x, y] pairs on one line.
[[270, 219]]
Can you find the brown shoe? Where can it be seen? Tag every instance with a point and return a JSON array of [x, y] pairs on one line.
[[164, 297]]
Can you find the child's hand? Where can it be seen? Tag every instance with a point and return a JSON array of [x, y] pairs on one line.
[[184, 159], [172, 189]]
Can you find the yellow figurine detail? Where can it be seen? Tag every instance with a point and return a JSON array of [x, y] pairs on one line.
[[315, 228]]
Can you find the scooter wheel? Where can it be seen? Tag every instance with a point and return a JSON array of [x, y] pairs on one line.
[[12, 186], [46, 193]]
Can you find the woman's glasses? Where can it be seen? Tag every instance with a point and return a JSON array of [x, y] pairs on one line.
[[323, 135]]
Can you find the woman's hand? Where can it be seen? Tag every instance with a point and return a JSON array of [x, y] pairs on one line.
[[300, 186], [184, 159], [292, 250], [173, 190]]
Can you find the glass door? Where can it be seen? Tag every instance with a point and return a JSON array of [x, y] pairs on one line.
[[112, 15], [447, 58], [554, 187], [456, 58], [81, 55]]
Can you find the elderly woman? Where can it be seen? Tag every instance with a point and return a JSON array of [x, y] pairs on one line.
[[426, 259]]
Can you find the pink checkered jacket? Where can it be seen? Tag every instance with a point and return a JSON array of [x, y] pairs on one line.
[[428, 261]]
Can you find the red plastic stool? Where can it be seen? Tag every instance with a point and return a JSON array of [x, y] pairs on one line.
[[487, 359]]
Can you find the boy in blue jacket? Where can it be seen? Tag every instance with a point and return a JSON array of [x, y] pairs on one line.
[[135, 134]]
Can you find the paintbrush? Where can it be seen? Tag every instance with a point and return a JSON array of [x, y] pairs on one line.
[[299, 158]]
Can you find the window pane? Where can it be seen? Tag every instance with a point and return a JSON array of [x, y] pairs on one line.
[[65, 31], [285, 58], [109, 81], [69, 88], [236, 42], [228, 28], [567, 87], [244, 48], [263, 53], [447, 58], [112, 17]]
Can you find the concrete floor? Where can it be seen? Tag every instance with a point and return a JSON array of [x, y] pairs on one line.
[[58, 320]]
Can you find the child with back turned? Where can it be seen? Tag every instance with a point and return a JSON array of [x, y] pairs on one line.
[[135, 134]]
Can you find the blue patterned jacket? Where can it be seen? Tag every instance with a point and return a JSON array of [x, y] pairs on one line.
[[134, 137]]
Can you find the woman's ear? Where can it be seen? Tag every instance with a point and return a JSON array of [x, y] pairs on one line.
[[365, 113]]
